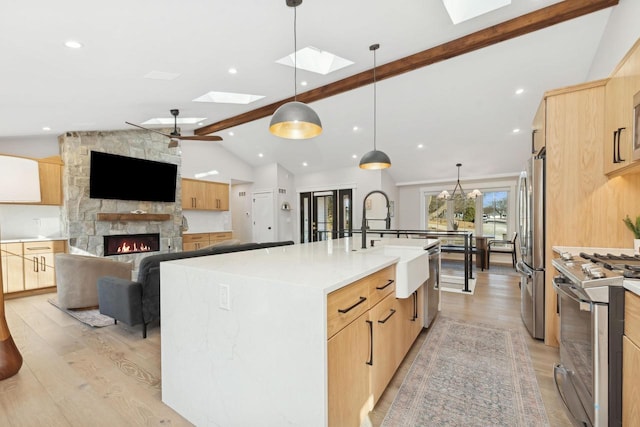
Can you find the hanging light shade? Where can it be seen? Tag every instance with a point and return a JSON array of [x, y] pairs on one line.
[[295, 120], [375, 159]]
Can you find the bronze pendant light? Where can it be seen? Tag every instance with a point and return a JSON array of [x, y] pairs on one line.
[[295, 120], [375, 159]]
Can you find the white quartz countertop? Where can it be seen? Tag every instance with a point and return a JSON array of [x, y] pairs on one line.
[[32, 239], [207, 231], [632, 285], [326, 265], [575, 250]]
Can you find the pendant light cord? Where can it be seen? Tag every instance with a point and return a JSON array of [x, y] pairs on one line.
[[295, 57], [374, 100]]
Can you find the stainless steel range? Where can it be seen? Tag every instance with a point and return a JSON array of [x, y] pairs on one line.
[[591, 306]]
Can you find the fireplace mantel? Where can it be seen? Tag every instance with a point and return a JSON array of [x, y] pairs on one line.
[[132, 217]]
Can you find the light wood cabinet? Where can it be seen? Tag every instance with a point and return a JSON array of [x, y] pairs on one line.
[[368, 339], [39, 269], [386, 324], [50, 177], [631, 360], [204, 195], [195, 241], [619, 91], [12, 272], [29, 265], [50, 170], [348, 354]]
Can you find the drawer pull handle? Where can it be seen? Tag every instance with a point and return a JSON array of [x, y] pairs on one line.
[[393, 311], [370, 361], [389, 283], [38, 248], [348, 309]]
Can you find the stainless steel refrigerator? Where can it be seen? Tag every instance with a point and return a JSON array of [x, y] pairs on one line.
[[530, 242]]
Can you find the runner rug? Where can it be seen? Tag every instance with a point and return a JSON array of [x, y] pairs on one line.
[[469, 375], [91, 317]]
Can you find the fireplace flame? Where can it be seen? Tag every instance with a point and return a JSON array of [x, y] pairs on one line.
[[125, 247]]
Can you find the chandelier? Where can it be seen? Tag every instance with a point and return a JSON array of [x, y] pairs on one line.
[[461, 194]]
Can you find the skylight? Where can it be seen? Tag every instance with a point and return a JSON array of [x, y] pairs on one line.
[[315, 60], [228, 98], [170, 121], [463, 10]]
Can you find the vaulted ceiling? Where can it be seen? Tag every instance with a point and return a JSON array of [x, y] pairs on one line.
[[442, 97]]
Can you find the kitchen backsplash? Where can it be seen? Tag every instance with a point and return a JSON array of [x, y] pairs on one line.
[[25, 222]]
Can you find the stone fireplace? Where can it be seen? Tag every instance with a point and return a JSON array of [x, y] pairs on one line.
[[88, 221]]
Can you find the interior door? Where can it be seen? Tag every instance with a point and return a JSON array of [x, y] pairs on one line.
[[325, 215], [263, 217]]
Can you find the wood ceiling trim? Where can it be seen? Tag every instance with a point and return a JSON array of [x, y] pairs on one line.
[[533, 21]]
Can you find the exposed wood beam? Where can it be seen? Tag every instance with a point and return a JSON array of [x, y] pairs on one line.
[[534, 21]]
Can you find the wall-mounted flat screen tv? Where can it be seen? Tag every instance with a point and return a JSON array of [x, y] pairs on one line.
[[112, 176]]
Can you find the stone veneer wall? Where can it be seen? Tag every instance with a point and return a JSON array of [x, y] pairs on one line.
[[79, 212]]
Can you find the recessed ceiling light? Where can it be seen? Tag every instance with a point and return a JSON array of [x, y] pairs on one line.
[[354, 156], [200, 123], [228, 98], [356, 128], [161, 75], [519, 91], [420, 146], [463, 10], [72, 44], [170, 121], [46, 128], [315, 60], [231, 133], [305, 164], [303, 83], [516, 130], [260, 155], [233, 71]]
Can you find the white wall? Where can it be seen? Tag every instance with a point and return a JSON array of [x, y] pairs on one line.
[[360, 180], [201, 156], [286, 193], [620, 34]]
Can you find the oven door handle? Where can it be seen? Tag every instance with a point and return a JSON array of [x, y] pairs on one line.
[[570, 291]]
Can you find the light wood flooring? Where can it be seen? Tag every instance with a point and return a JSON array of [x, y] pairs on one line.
[[75, 375]]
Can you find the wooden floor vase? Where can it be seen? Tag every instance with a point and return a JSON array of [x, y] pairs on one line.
[[10, 357]]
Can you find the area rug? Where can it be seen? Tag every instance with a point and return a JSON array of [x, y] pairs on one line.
[[469, 375], [91, 317]]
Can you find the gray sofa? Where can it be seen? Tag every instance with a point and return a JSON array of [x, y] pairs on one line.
[[138, 302]]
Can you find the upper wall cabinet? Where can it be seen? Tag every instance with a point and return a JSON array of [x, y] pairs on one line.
[[50, 181], [204, 195], [619, 91], [538, 136]]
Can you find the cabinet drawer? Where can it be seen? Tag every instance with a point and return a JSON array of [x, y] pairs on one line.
[[195, 238], [381, 284], [632, 317], [48, 246], [346, 304], [219, 237]]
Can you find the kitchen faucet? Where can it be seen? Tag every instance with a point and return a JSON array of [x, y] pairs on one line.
[[364, 216]]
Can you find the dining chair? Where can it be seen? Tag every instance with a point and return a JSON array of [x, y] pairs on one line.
[[502, 246]]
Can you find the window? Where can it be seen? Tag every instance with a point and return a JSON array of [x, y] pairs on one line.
[[495, 214], [491, 215]]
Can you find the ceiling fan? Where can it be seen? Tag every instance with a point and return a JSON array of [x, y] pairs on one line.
[[175, 135]]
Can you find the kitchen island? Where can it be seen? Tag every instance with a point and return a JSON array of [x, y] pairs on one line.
[[245, 336]]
